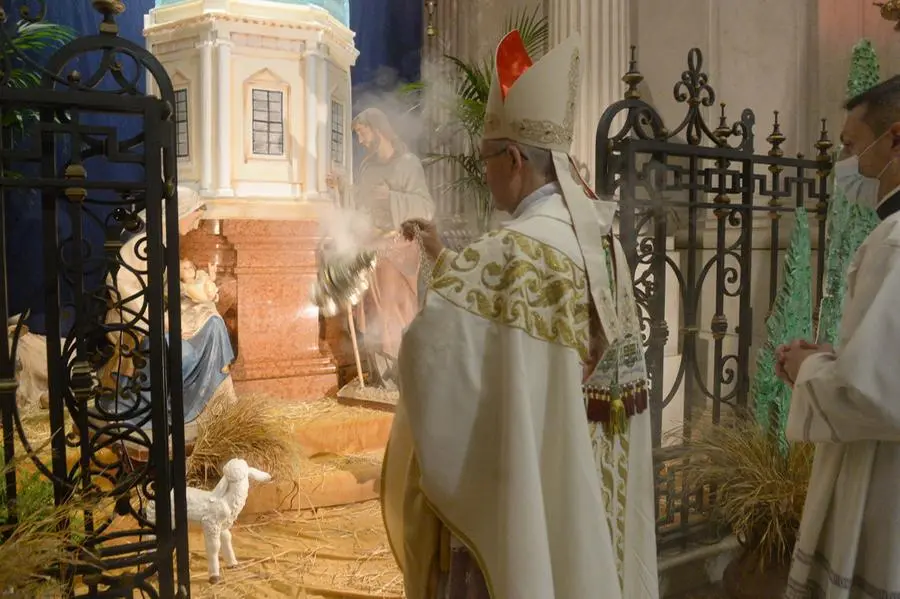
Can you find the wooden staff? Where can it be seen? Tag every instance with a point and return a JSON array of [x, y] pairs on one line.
[[359, 372]]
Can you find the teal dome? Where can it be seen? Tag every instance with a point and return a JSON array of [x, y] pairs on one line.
[[339, 9]]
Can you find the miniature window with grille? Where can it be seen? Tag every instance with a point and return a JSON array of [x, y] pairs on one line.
[[268, 122], [337, 132], [182, 138]]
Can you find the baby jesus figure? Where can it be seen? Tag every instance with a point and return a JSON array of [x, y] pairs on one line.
[[199, 295], [199, 285]]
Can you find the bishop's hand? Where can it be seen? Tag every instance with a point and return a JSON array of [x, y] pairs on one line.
[[426, 232]]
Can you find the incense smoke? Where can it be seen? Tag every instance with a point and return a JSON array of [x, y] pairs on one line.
[[413, 113]]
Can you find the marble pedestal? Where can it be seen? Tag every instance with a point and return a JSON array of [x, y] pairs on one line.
[[282, 348], [280, 352]]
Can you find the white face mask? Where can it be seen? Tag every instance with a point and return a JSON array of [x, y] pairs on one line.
[[858, 188]]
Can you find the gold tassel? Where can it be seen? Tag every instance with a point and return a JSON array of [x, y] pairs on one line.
[[617, 416]]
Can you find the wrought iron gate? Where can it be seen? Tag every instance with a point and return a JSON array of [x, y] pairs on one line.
[[687, 211], [104, 461]]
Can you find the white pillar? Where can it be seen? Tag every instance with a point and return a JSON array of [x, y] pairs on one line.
[[348, 132], [223, 111], [313, 98], [206, 117], [605, 28], [324, 118]]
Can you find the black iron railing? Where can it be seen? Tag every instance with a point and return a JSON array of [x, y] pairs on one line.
[[95, 150], [691, 201]]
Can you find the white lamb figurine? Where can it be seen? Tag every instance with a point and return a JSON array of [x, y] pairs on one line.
[[217, 510]]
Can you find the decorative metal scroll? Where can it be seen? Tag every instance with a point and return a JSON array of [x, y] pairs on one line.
[[688, 199], [75, 133]]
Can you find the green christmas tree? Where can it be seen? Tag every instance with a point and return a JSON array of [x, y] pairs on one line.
[[790, 318], [848, 224]]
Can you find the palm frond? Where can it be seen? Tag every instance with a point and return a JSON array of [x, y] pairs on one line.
[[414, 87], [533, 27], [475, 79], [467, 107], [29, 39], [35, 37], [21, 78]]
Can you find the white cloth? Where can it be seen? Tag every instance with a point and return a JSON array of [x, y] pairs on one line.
[[849, 543], [490, 437]]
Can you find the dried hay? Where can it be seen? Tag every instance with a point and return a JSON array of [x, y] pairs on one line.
[[311, 411], [253, 428], [760, 492], [331, 553], [43, 537]]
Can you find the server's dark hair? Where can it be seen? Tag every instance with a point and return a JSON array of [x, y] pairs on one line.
[[881, 104]]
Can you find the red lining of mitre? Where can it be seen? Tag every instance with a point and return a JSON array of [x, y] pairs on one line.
[[512, 61]]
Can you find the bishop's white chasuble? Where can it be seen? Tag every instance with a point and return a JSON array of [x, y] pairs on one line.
[[846, 402], [497, 447]]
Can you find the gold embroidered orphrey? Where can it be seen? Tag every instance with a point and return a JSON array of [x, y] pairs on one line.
[[533, 287], [545, 132]]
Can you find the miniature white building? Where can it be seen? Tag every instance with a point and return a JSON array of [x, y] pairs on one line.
[[262, 93]]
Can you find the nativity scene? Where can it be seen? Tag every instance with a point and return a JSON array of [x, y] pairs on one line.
[[433, 299]]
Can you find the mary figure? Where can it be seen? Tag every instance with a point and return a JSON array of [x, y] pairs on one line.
[[206, 352]]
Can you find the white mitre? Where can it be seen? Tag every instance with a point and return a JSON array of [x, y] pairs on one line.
[[534, 104]]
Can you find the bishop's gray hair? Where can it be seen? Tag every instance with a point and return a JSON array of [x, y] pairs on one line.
[[539, 159]]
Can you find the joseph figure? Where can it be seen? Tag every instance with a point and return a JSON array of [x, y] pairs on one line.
[[390, 188], [519, 463], [843, 397]]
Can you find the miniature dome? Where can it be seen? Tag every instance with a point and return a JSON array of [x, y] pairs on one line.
[[339, 9]]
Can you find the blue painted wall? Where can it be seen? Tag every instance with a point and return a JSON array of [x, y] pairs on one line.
[[24, 235], [388, 36]]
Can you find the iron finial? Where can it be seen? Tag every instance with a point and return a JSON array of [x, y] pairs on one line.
[[110, 9], [430, 29], [824, 146], [723, 131], [776, 138], [633, 77]]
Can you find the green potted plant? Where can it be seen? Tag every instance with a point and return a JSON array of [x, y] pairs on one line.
[[466, 104]]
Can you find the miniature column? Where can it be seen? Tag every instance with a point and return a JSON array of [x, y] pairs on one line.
[[313, 99], [323, 84], [206, 116], [604, 26], [225, 94]]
